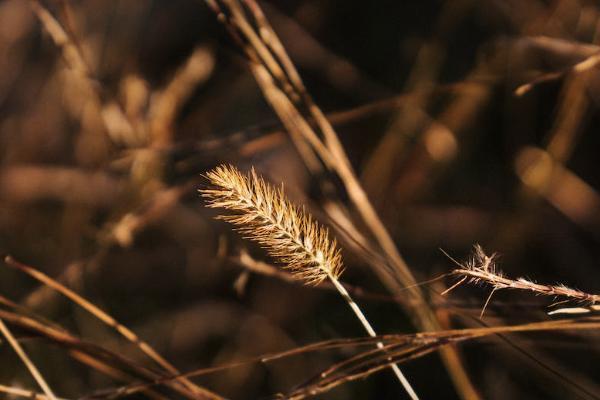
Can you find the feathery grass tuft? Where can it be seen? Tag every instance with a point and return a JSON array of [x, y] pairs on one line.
[[264, 215], [290, 235]]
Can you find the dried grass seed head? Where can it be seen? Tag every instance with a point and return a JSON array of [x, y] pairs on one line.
[[262, 213], [481, 268]]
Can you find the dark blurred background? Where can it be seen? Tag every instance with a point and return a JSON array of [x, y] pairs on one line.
[[466, 121]]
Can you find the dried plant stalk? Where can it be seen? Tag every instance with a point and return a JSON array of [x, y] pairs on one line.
[[403, 348], [109, 321], [28, 363], [482, 268], [264, 215], [28, 394], [576, 310]]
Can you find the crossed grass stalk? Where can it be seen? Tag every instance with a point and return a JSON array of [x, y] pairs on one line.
[[263, 214]]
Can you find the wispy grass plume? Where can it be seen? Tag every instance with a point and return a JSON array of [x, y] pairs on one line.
[[264, 215], [291, 236]]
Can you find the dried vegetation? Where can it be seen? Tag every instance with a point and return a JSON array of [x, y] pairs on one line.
[[402, 128]]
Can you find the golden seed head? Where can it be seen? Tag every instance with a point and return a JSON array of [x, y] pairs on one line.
[[263, 214]]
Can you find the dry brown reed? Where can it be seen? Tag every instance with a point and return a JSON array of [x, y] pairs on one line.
[[397, 348], [94, 355], [403, 348], [104, 317]]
